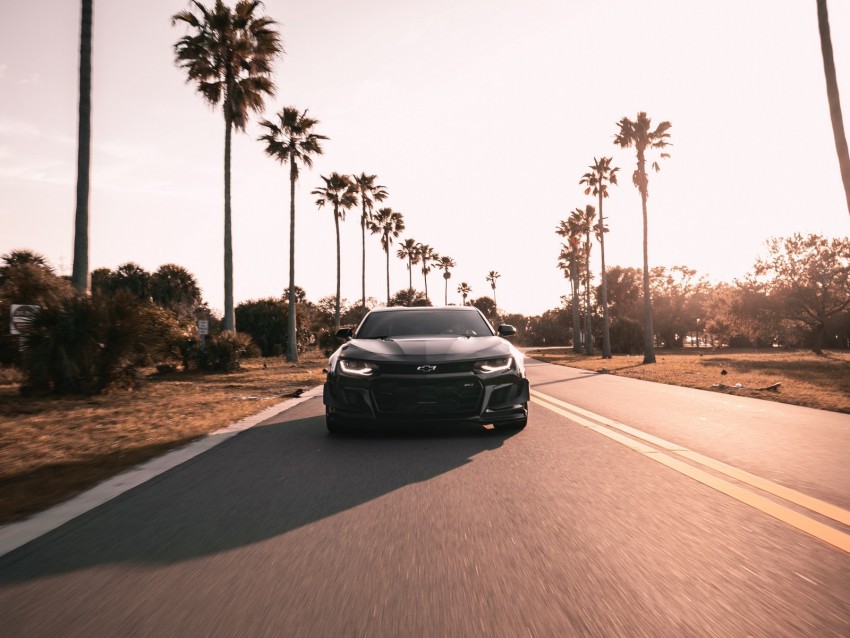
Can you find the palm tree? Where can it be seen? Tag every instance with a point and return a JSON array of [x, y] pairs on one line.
[[409, 252], [291, 140], [584, 223], [638, 133], [80, 270], [571, 259], [389, 224], [464, 290], [445, 264], [492, 276], [427, 256], [341, 191], [229, 53], [369, 192], [600, 173], [832, 96]]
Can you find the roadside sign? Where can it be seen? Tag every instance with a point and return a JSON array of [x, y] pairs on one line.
[[20, 315], [203, 326]]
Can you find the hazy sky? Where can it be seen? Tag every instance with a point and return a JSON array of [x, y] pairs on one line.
[[479, 116]]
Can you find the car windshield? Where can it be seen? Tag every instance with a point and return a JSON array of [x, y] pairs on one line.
[[380, 325]]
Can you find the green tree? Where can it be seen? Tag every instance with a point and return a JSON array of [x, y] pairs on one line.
[[80, 269], [341, 192], [464, 291], [808, 278], [640, 135], [409, 250], [833, 98], [291, 140], [601, 175], [369, 193], [176, 289], [491, 278], [446, 263], [228, 54], [409, 297], [389, 224]]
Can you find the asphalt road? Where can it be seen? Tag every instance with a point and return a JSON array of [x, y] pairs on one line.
[[573, 527]]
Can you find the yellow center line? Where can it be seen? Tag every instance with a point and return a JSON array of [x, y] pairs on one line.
[[603, 426]]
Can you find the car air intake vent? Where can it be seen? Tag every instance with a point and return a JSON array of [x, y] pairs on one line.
[[434, 397]]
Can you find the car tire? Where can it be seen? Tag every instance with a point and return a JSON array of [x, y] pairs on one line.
[[332, 423], [517, 425]]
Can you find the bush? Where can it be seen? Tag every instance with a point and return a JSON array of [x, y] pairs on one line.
[[82, 345], [224, 351]]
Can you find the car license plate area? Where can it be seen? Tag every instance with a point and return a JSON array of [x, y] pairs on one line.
[[459, 397]]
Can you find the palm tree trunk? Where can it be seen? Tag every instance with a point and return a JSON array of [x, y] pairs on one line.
[[291, 343], [576, 324], [606, 333], [648, 332], [229, 311], [446, 293], [363, 260], [425, 277], [80, 271], [832, 96], [588, 335], [410, 273], [387, 250], [338, 257]]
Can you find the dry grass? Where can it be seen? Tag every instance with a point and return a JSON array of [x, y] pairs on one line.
[[807, 379], [52, 448]]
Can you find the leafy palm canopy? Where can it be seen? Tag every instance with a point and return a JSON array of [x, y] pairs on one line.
[[369, 193], [639, 134], [387, 223], [339, 191], [229, 54], [290, 138]]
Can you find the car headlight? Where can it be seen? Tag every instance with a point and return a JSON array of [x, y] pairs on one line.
[[502, 364], [356, 368]]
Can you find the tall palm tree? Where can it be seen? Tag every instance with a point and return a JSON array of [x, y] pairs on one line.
[[568, 262], [369, 192], [389, 224], [291, 140], [491, 277], [639, 134], [446, 263], [229, 54], [80, 270], [464, 290], [409, 252], [341, 192], [583, 220], [427, 256], [832, 97], [597, 180], [572, 259]]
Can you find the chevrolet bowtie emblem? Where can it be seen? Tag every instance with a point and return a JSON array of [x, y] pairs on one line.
[[426, 368]]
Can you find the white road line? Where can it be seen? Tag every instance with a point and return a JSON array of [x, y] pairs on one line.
[[19, 533]]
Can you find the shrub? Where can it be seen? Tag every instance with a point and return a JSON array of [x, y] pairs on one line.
[[82, 345], [224, 351]]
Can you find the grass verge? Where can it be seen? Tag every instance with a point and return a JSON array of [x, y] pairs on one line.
[[52, 448], [806, 379]]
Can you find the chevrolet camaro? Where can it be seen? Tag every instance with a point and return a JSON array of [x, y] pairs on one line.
[[426, 365]]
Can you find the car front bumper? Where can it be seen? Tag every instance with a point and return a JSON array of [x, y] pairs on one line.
[[463, 397]]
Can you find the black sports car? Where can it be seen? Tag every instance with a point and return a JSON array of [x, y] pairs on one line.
[[404, 365]]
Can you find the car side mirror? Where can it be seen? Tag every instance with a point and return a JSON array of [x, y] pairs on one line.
[[506, 330], [344, 334]]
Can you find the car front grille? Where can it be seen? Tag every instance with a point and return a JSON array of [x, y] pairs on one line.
[[428, 396], [413, 368]]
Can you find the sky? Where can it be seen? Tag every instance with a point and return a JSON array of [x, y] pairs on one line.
[[479, 117]]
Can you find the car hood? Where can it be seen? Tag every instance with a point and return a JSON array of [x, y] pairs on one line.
[[427, 349]]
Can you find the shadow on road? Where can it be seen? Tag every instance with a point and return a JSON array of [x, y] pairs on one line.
[[263, 483]]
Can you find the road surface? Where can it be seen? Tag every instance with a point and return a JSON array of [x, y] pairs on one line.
[[625, 508]]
